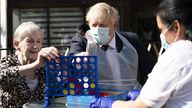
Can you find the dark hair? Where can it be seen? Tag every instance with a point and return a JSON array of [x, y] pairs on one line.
[[181, 10], [83, 28]]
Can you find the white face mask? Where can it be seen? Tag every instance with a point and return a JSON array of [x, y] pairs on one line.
[[101, 35]]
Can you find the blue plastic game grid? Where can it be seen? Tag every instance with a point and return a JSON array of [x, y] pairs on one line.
[[71, 75]]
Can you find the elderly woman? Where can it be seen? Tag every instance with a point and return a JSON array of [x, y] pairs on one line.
[[22, 75]]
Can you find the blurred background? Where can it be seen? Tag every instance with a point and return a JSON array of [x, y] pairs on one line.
[[60, 20]]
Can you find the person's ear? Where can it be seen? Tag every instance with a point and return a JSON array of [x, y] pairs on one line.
[[16, 44], [177, 28]]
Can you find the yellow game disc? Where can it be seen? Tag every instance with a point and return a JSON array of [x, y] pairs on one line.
[[72, 92], [72, 85], [92, 85], [65, 92]]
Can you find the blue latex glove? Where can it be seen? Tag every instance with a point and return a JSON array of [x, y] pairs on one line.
[[103, 102], [132, 95]]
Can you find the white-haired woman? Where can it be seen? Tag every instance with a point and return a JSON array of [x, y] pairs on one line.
[[22, 75]]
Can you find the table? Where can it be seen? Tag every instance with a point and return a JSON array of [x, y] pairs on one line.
[[74, 102], [56, 103]]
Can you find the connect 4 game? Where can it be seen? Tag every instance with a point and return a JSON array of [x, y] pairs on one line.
[[71, 75]]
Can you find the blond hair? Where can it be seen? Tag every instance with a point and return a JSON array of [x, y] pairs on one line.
[[103, 9], [25, 29]]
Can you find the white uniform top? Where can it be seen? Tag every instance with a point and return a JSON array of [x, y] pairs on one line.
[[115, 67], [170, 83]]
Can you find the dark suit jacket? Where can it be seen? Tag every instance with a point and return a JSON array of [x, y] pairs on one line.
[[146, 60]]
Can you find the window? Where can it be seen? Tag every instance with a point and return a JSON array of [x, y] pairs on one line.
[[59, 24]]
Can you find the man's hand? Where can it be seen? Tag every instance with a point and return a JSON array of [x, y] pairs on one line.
[[82, 54]]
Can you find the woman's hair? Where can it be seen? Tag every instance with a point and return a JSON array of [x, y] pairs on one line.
[[105, 10], [25, 29], [181, 10]]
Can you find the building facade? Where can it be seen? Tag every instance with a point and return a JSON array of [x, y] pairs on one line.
[[60, 19]]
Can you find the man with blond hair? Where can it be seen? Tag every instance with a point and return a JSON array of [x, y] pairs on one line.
[[120, 54]]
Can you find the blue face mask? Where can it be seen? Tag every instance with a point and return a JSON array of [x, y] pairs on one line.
[[164, 43], [101, 35]]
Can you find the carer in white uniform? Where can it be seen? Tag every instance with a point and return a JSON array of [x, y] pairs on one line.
[[170, 83]]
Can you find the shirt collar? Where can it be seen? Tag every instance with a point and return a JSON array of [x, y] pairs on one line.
[[112, 43]]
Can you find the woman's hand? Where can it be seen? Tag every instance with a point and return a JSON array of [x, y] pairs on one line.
[[103, 102], [28, 69], [49, 53]]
